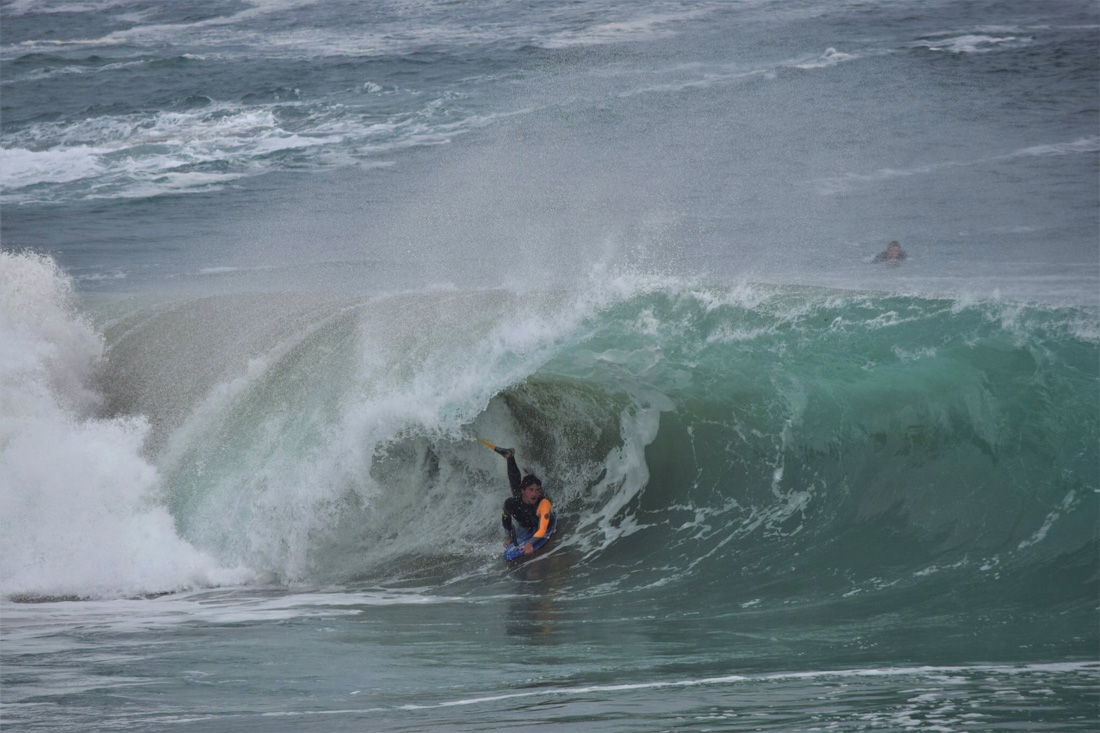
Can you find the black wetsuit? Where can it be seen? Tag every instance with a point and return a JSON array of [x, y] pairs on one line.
[[885, 256], [526, 515]]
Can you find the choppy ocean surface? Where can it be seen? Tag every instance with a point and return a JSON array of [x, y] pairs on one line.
[[269, 268]]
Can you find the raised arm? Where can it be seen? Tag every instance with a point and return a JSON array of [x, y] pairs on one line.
[[513, 474]]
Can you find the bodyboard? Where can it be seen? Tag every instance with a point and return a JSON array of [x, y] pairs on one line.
[[515, 552]]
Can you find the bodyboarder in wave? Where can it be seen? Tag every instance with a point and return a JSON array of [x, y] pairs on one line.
[[527, 516]]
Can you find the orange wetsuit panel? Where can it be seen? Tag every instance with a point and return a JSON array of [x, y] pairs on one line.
[[544, 519]]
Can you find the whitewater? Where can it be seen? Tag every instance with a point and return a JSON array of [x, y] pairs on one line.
[[270, 270]]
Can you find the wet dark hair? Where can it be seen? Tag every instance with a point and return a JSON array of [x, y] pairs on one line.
[[529, 480]]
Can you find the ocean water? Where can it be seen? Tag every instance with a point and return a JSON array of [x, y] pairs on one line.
[[269, 268]]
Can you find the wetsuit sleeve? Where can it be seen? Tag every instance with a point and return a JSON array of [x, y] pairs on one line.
[[544, 519], [513, 476]]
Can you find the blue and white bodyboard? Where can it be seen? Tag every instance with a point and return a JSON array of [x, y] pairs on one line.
[[515, 551]]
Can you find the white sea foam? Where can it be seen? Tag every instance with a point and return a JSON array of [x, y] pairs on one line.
[[100, 276], [1040, 534], [643, 28], [154, 33], [848, 181], [20, 167], [138, 155], [77, 510], [21, 7], [914, 673], [831, 57], [970, 43], [25, 625], [1084, 145], [626, 477]]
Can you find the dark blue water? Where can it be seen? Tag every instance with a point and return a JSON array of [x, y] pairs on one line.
[[310, 145], [269, 269]]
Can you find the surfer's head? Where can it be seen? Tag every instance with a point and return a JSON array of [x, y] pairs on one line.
[[530, 488]]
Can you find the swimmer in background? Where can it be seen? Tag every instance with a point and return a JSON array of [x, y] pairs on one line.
[[892, 253]]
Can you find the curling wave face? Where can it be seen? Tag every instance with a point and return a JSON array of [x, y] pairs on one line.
[[789, 443]]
